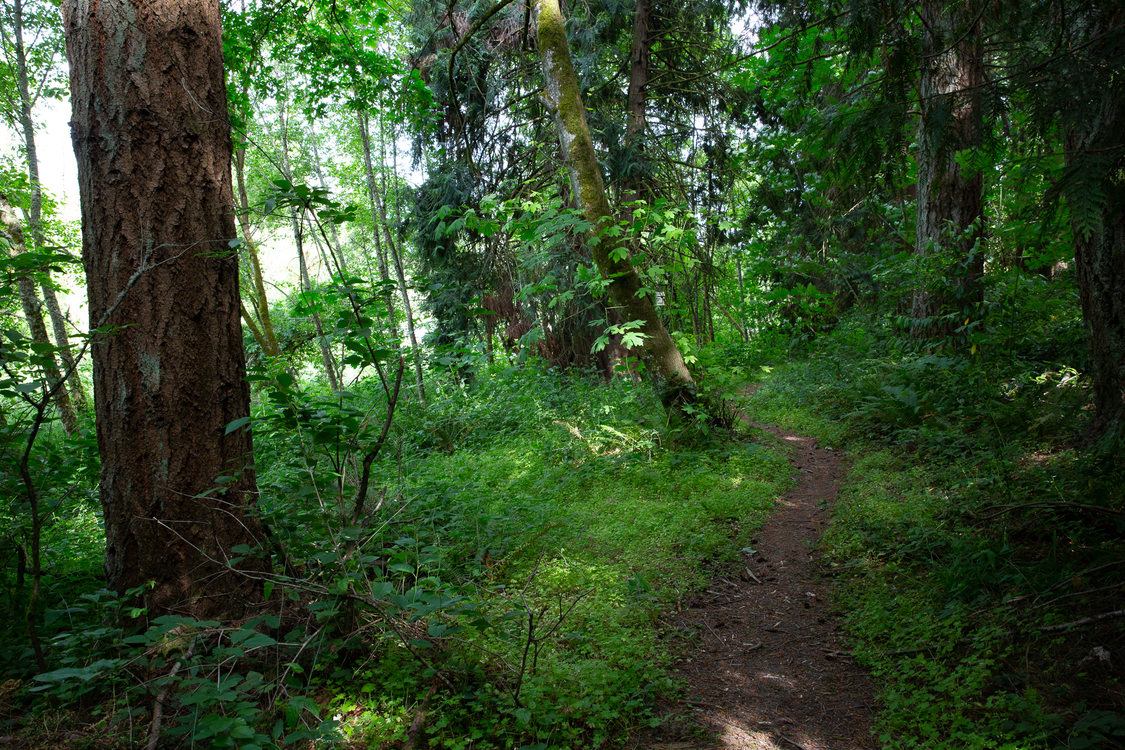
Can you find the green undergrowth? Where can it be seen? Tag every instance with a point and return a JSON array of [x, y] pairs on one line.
[[501, 586], [574, 515], [972, 530]]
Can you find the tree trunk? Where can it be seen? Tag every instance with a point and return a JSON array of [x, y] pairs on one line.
[[372, 189], [637, 98], [62, 341], [658, 352], [950, 208], [335, 249], [35, 212], [1099, 259], [295, 218], [1095, 150], [152, 138], [261, 304], [10, 227], [306, 286], [396, 250]]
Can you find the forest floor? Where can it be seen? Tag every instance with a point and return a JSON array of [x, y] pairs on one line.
[[769, 670]]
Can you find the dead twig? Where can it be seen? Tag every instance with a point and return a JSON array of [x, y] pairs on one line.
[[418, 725], [792, 742], [158, 705], [1086, 507], [1082, 622]]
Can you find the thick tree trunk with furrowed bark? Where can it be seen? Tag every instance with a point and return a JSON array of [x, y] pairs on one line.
[[152, 138], [659, 351]]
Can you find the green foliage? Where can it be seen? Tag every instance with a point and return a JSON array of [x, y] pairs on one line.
[[508, 570], [966, 525]]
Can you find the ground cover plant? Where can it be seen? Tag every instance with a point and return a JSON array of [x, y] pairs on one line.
[[507, 585], [979, 548]]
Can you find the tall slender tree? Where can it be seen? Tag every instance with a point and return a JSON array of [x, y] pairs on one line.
[[11, 230], [35, 73]]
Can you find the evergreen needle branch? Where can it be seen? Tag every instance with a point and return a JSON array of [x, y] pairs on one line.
[[453, 89]]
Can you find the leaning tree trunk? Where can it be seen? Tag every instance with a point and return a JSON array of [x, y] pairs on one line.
[[10, 230], [950, 206], [152, 138], [659, 352], [35, 213]]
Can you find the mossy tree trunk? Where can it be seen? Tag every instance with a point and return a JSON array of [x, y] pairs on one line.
[[659, 351]]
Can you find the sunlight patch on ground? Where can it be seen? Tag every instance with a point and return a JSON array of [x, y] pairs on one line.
[[744, 738], [787, 681]]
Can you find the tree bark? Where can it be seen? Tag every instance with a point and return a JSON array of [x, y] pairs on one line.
[[950, 208], [35, 210], [1095, 151], [637, 97], [659, 352], [152, 138]]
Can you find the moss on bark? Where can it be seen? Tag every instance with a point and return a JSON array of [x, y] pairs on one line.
[[659, 353]]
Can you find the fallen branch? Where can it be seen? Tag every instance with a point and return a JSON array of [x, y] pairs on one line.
[[1084, 621], [418, 725], [790, 740], [1087, 507], [158, 706]]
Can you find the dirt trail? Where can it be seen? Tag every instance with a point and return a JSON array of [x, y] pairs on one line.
[[770, 672]]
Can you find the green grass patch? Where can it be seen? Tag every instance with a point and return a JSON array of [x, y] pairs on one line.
[[506, 577]]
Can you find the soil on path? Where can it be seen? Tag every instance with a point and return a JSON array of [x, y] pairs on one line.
[[770, 671]]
